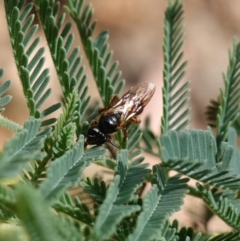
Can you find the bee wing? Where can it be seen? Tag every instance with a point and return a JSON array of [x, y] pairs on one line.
[[133, 102]]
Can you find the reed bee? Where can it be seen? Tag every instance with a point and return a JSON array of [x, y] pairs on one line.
[[120, 110]]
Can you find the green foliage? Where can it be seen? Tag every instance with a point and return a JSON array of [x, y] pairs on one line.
[[175, 93], [42, 185], [193, 153], [112, 212], [105, 73], [167, 196], [4, 100], [65, 171], [3, 89], [224, 112], [29, 58], [75, 209], [66, 60], [226, 207], [22, 148], [38, 224]]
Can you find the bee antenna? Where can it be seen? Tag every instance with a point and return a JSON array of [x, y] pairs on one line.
[[113, 144]]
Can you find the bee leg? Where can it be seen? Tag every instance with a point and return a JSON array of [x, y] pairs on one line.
[[135, 120], [109, 140]]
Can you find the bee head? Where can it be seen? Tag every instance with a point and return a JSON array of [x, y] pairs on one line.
[[95, 136]]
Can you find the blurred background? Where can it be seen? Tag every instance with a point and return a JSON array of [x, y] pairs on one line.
[[136, 36]]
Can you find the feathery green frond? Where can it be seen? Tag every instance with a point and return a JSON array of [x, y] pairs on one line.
[[175, 94], [111, 214], [229, 100], [35, 215], [7, 196], [4, 100], [66, 170], [65, 127], [28, 56], [128, 179], [68, 229], [131, 177], [63, 136], [97, 51], [69, 114], [193, 153], [164, 198], [222, 206], [169, 234], [9, 124], [60, 39], [64, 141], [149, 138], [232, 236], [3, 89], [172, 233], [232, 140], [74, 208], [96, 189], [23, 147], [66, 58], [211, 112]]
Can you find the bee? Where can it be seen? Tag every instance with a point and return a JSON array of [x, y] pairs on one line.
[[120, 110]]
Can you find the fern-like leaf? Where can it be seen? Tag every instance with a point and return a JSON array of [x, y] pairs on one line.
[[232, 236], [222, 206], [74, 208], [232, 140], [229, 100], [23, 147], [65, 56], [110, 214], [149, 138], [172, 233], [193, 153], [97, 189], [65, 171], [131, 176], [29, 57], [164, 198], [70, 113], [106, 75], [175, 95], [35, 215], [68, 229], [60, 40], [64, 141], [211, 112], [3, 89], [65, 127], [7, 197], [4, 100]]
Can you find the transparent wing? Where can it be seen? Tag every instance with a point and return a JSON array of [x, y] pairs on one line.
[[133, 102]]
